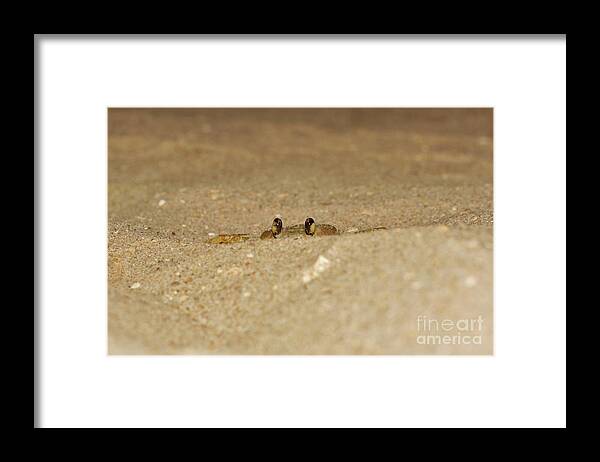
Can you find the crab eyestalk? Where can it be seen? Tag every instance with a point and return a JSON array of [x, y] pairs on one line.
[[310, 227], [276, 227]]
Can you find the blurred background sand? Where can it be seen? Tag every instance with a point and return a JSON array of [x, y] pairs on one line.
[[176, 175]]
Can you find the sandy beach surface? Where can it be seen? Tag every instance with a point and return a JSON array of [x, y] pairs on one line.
[[178, 176]]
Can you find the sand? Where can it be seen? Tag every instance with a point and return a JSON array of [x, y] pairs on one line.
[[178, 176]]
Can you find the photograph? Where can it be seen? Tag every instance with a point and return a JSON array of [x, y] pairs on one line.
[[300, 231]]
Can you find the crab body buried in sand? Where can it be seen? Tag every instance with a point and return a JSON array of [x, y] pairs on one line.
[[277, 231]]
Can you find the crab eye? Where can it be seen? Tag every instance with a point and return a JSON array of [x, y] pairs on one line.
[[277, 226], [309, 227]]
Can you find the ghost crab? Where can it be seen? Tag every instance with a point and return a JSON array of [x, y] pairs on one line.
[[278, 231]]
